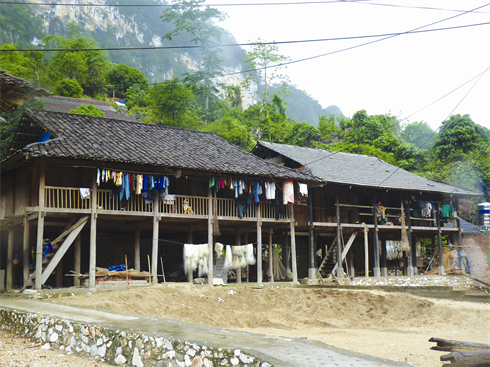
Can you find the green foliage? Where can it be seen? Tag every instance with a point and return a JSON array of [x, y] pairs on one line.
[[89, 109], [173, 104], [457, 137], [10, 121], [123, 77], [419, 134], [88, 67], [327, 127], [264, 62], [69, 88], [24, 64], [233, 131], [302, 134]]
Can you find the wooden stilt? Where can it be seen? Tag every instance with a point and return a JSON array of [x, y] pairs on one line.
[[190, 274], [154, 247], [311, 237], [26, 253], [40, 227], [259, 247], [340, 271], [93, 233], [239, 270], [59, 274], [10, 260], [292, 224], [77, 259], [210, 237], [248, 269], [439, 240], [271, 269], [376, 270], [137, 247], [366, 251]]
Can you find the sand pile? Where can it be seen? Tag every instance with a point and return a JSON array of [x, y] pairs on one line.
[[389, 325]]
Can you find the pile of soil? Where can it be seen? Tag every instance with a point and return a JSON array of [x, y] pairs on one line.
[[395, 326]]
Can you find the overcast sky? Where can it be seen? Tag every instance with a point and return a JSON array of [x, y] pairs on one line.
[[400, 75]]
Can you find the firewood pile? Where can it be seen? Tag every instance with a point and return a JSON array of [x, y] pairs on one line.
[[463, 354]]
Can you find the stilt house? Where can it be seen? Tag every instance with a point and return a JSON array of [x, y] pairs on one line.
[[118, 189], [351, 218]]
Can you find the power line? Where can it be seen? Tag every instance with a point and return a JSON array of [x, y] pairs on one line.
[[418, 7], [248, 44], [178, 5]]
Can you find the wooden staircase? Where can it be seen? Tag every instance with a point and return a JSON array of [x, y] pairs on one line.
[[329, 263]]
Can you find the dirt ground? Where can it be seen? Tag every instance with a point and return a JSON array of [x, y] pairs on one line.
[[395, 326]]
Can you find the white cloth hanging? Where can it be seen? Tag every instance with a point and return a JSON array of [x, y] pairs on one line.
[[288, 191], [218, 248], [303, 189], [249, 254], [270, 190], [238, 257], [85, 193], [228, 258], [196, 257]]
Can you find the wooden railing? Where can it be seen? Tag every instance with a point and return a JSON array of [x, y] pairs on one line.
[[65, 198], [70, 198]]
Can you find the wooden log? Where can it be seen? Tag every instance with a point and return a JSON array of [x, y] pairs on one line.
[[478, 358], [449, 345]]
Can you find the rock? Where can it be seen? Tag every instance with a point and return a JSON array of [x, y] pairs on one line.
[[136, 358], [53, 337], [120, 360], [46, 346]]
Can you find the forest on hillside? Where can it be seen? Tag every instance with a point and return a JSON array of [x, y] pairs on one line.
[[458, 152]]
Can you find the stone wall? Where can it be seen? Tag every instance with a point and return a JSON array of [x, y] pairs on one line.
[[119, 347]]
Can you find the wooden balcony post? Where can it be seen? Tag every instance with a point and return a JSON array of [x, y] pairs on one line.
[[292, 224], [238, 242], [137, 247], [93, 233], [210, 236], [259, 247], [77, 256], [154, 246], [366, 251], [26, 253], [40, 226]]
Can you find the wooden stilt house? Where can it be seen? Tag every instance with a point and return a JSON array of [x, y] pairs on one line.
[[118, 189], [358, 211]]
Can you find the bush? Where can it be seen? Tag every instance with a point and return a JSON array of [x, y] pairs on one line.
[[69, 88]]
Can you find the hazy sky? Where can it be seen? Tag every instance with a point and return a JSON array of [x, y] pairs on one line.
[[399, 75]]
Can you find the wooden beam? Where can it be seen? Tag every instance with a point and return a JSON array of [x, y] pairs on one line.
[[210, 236], [259, 247], [154, 246], [10, 259], [376, 270], [271, 269], [293, 243], [26, 253], [40, 226], [93, 232], [137, 247], [439, 240], [366, 251], [77, 256], [338, 266], [238, 242], [346, 249], [311, 237]]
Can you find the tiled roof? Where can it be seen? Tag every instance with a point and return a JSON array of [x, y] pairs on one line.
[[17, 89], [65, 104], [359, 170], [97, 138], [466, 227]]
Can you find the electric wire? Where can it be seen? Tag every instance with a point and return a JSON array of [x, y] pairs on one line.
[[244, 44]]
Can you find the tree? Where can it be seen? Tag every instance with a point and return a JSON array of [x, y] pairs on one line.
[[24, 64], [303, 134], [327, 127], [19, 25], [69, 88], [174, 105], [418, 133], [87, 67], [10, 121], [457, 137], [123, 77], [89, 110], [261, 59], [191, 17], [233, 131]]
